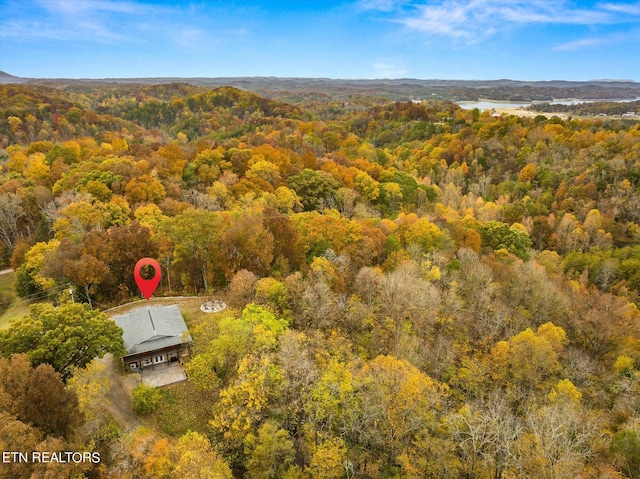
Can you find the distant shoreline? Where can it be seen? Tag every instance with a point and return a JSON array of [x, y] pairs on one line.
[[470, 104]]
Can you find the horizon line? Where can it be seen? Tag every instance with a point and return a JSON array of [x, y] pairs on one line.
[[601, 80]]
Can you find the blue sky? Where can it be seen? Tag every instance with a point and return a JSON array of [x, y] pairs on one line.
[[447, 39]]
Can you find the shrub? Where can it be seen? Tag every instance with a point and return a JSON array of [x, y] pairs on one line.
[[146, 399]]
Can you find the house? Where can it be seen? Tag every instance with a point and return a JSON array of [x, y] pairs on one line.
[[154, 336]]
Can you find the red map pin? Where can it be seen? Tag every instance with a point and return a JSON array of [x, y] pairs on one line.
[[147, 286]]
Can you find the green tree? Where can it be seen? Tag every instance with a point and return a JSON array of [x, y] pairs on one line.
[[256, 330], [313, 187], [625, 448], [67, 336], [497, 235], [146, 399]]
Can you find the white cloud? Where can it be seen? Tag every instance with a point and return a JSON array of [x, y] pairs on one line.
[[90, 31], [475, 20], [580, 44], [624, 8], [86, 7], [102, 21], [616, 37], [112, 22]]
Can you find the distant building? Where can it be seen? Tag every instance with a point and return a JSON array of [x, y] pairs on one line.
[[154, 336]]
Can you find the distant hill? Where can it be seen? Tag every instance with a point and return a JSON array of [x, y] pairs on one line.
[[294, 89], [6, 78]]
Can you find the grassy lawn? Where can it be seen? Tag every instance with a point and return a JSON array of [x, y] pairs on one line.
[[190, 306], [15, 311], [183, 408], [17, 306], [6, 281]]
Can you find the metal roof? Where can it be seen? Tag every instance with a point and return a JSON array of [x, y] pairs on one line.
[[152, 327]]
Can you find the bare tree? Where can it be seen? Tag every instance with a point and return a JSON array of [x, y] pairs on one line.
[[607, 273], [487, 432], [406, 296], [561, 435], [10, 213]]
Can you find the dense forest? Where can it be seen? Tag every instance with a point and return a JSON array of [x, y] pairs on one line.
[[415, 290]]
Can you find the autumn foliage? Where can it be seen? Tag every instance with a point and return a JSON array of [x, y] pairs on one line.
[[416, 290]]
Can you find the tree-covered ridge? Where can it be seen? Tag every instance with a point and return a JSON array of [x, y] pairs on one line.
[[417, 290], [593, 108]]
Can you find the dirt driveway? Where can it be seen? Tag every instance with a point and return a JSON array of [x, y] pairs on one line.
[[120, 395]]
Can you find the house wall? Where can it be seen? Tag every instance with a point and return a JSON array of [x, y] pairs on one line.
[[158, 357]]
